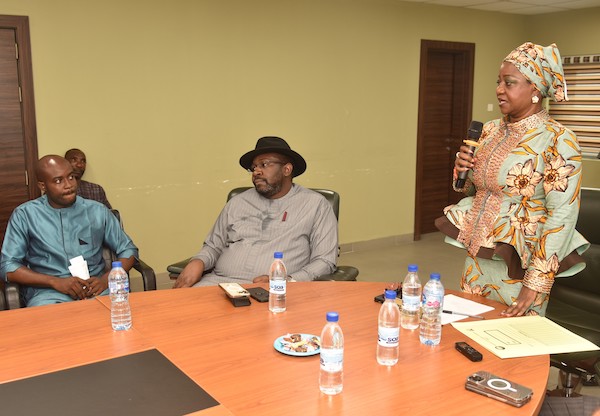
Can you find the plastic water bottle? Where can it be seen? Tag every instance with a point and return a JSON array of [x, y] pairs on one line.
[[277, 284], [433, 301], [331, 374], [411, 299], [118, 285], [389, 330]]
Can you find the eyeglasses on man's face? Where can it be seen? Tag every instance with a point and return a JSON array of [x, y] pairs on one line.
[[264, 164]]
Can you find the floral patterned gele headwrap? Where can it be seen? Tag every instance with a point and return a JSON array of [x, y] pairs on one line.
[[542, 66]]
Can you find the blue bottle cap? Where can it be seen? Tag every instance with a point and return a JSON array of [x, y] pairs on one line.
[[390, 294], [278, 255], [413, 268], [434, 276], [332, 317], [117, 264]]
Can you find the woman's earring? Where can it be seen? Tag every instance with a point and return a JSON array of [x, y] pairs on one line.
[[535, 99]]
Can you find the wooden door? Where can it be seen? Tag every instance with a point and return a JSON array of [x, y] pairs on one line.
[[18, 142], [445, 104]]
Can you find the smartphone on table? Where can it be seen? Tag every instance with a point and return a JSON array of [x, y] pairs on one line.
[[259, 294], [498, 388]]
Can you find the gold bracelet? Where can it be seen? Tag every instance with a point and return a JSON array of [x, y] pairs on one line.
[[534, 280]]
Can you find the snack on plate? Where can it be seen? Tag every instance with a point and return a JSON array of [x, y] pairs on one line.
[[293, 338], [295, 342]]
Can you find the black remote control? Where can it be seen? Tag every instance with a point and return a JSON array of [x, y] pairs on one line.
[[468, 351]]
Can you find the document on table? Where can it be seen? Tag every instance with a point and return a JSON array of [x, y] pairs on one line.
[[460, 305], [523, 336]]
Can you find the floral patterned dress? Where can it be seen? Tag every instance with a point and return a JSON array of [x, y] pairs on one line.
[[518, 224]]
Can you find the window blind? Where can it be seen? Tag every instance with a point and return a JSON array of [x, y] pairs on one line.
[[582, 112]]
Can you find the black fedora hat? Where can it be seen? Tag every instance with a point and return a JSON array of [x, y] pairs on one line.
[[271, 144]]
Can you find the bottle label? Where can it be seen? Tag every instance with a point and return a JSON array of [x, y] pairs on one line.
[[433, 300], [277, 287], [118, 286], [411, 303], [332, 359], [388, 337]]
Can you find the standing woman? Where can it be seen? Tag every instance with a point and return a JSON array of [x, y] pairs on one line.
[[518, 220]]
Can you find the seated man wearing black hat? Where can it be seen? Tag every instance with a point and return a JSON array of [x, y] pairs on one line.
[[277, 215]]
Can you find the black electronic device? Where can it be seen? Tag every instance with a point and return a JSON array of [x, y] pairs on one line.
[[473, 133], [381, 298], [468, 351], [259, 294], [236, 294]]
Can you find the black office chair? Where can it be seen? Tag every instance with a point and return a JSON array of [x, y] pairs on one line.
[[2, 297], [575, 302], [12, 292], [341, 273]]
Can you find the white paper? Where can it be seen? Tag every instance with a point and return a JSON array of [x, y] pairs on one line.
[[76, 260], [79, 268], [523, 336], [457, 304]]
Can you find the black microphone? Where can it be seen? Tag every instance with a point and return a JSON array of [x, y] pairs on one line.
[[473, 134]]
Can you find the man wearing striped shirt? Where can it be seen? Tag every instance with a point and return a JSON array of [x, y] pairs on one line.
[[276, 215]]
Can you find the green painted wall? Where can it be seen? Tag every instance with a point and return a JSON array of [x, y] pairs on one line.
[[165, 96]]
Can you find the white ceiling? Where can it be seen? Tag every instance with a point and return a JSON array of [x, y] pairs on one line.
[[516, 6]]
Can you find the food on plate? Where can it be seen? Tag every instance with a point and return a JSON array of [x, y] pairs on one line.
[[295, 343]]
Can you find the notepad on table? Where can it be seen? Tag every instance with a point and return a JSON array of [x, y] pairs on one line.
[[523, 336]]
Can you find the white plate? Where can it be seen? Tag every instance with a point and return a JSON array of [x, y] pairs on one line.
[[279, 346]]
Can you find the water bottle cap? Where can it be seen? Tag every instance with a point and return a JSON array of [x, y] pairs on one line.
[[117, 264], [332, 317], [278, 255], [434, 276], [413, 268], [390, 294]]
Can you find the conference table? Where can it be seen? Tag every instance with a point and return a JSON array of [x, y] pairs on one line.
[[228, 351]]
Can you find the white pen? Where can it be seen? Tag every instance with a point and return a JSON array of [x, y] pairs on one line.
[[464, 314]]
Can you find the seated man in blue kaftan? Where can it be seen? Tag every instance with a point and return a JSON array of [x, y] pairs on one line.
[[44, 234]]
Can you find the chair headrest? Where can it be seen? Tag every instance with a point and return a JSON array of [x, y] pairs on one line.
[[588, 223]]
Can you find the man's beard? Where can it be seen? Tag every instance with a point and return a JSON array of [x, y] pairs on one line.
[[268, 190]]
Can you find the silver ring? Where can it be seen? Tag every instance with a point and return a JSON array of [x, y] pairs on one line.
[[457, 153], [513, 304]]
